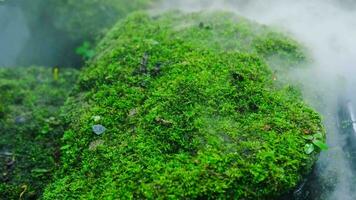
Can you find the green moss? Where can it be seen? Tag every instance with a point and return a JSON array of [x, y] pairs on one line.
[[191, 112], [30, 128]]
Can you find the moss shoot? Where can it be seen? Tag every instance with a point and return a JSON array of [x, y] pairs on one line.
[[30, 128], [185, 106]]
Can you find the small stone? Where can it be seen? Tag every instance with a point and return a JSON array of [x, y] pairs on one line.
[[98, 129], [20, 120]]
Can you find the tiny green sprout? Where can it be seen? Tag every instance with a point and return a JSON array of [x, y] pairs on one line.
[[86, 50], [316, 140], [309, 148], [320, 144]]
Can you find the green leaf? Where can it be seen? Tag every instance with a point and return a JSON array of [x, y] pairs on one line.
[[318, 136], [320, 144], [308, 137], [309, 148]]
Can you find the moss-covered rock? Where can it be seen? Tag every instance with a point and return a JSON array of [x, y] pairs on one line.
[[30, 128], [190, 110]]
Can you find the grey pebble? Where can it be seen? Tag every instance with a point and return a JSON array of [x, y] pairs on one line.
[[98, 129]]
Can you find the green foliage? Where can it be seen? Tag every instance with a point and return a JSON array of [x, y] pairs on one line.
[[191, 112], [309, 148], [30, 128], [86, 51], [320, 144], [317, 141]]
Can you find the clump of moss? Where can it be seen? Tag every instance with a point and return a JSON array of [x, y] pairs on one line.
[[191, 112], [30, 128]]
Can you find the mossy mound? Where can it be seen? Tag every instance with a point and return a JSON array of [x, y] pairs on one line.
[[191, 111], [30, 128]]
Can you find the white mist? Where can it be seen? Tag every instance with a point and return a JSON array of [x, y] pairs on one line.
[[13, 34]]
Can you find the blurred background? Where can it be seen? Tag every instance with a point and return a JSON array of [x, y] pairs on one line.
[[56, 32]]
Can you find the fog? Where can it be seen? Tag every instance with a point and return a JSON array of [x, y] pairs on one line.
[[328, 29], [14, 34], [48, 32], [29, 36]]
